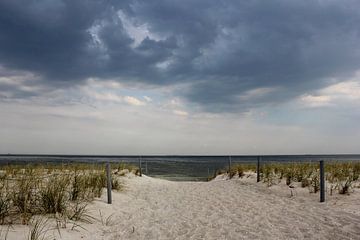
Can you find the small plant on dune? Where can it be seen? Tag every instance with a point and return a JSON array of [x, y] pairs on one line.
[[268, 175], [86, 185], [78, 212], [82, 186], [121, 166], [5, 205], [249, 167], [345, 179], [301, 171], [279, 170], [75, 186], [237, 169], [5, 200], [95, 182], [315, 183], [124, 166], [343, 175], [305, 182], [53, 196], [288, 179], [108, 221], [115, 183], [100, 183], [38, 229], [356, 171], [344, 187], [136, 172], [232, 172], [24, 196], [289, 175]]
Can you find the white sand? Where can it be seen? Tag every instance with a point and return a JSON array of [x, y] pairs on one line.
[[221, 209]]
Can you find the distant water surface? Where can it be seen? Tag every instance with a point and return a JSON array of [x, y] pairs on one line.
[[176, 168]]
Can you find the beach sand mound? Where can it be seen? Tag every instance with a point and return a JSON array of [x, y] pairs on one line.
[[151, 208]]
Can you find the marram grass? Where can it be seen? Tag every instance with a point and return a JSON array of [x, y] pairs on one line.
[[341, 177], [56, 189]]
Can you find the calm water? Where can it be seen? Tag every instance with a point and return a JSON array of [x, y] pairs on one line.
[[178, 168]]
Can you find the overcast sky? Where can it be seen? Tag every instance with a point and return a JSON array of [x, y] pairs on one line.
[[179, 76]]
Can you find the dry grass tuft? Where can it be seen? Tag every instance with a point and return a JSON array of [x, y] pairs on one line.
[[58, 190]]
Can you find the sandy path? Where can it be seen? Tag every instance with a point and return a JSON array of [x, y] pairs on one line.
[[159, 209], [225, 209]]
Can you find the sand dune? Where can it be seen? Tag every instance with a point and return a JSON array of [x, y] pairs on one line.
[[221, 209]]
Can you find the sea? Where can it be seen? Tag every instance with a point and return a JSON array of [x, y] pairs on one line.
[[175, 168]]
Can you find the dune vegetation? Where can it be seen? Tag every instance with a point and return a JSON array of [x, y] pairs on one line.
[[341, 177], [55, 190]]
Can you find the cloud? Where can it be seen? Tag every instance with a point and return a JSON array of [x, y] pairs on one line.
[[345, 94], [107, 97], [18, 84], [148, 99], [133, 101], [226, 53], [349, 90], [257, 93], [316, 101], [180, 113]]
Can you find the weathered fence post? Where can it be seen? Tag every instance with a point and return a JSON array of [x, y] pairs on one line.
[[258, 169], [146, 168], [229, 164], [322, 181], [140, 166], [108, 177]]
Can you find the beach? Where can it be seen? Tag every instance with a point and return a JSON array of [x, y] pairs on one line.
[[150, 208]]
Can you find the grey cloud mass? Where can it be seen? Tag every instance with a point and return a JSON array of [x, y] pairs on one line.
[[222, 50]]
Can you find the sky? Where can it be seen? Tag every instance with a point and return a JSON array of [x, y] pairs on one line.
[[179, 77]]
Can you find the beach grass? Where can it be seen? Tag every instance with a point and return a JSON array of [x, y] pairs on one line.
[[341, 177], [53, 189]]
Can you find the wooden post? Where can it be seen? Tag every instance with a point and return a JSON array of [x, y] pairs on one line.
[[108, 177], [258, 169], [229, 164], [322, 181], [140, 166], [146, 168]]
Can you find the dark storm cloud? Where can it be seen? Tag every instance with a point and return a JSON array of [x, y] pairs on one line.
[[224, 49]]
